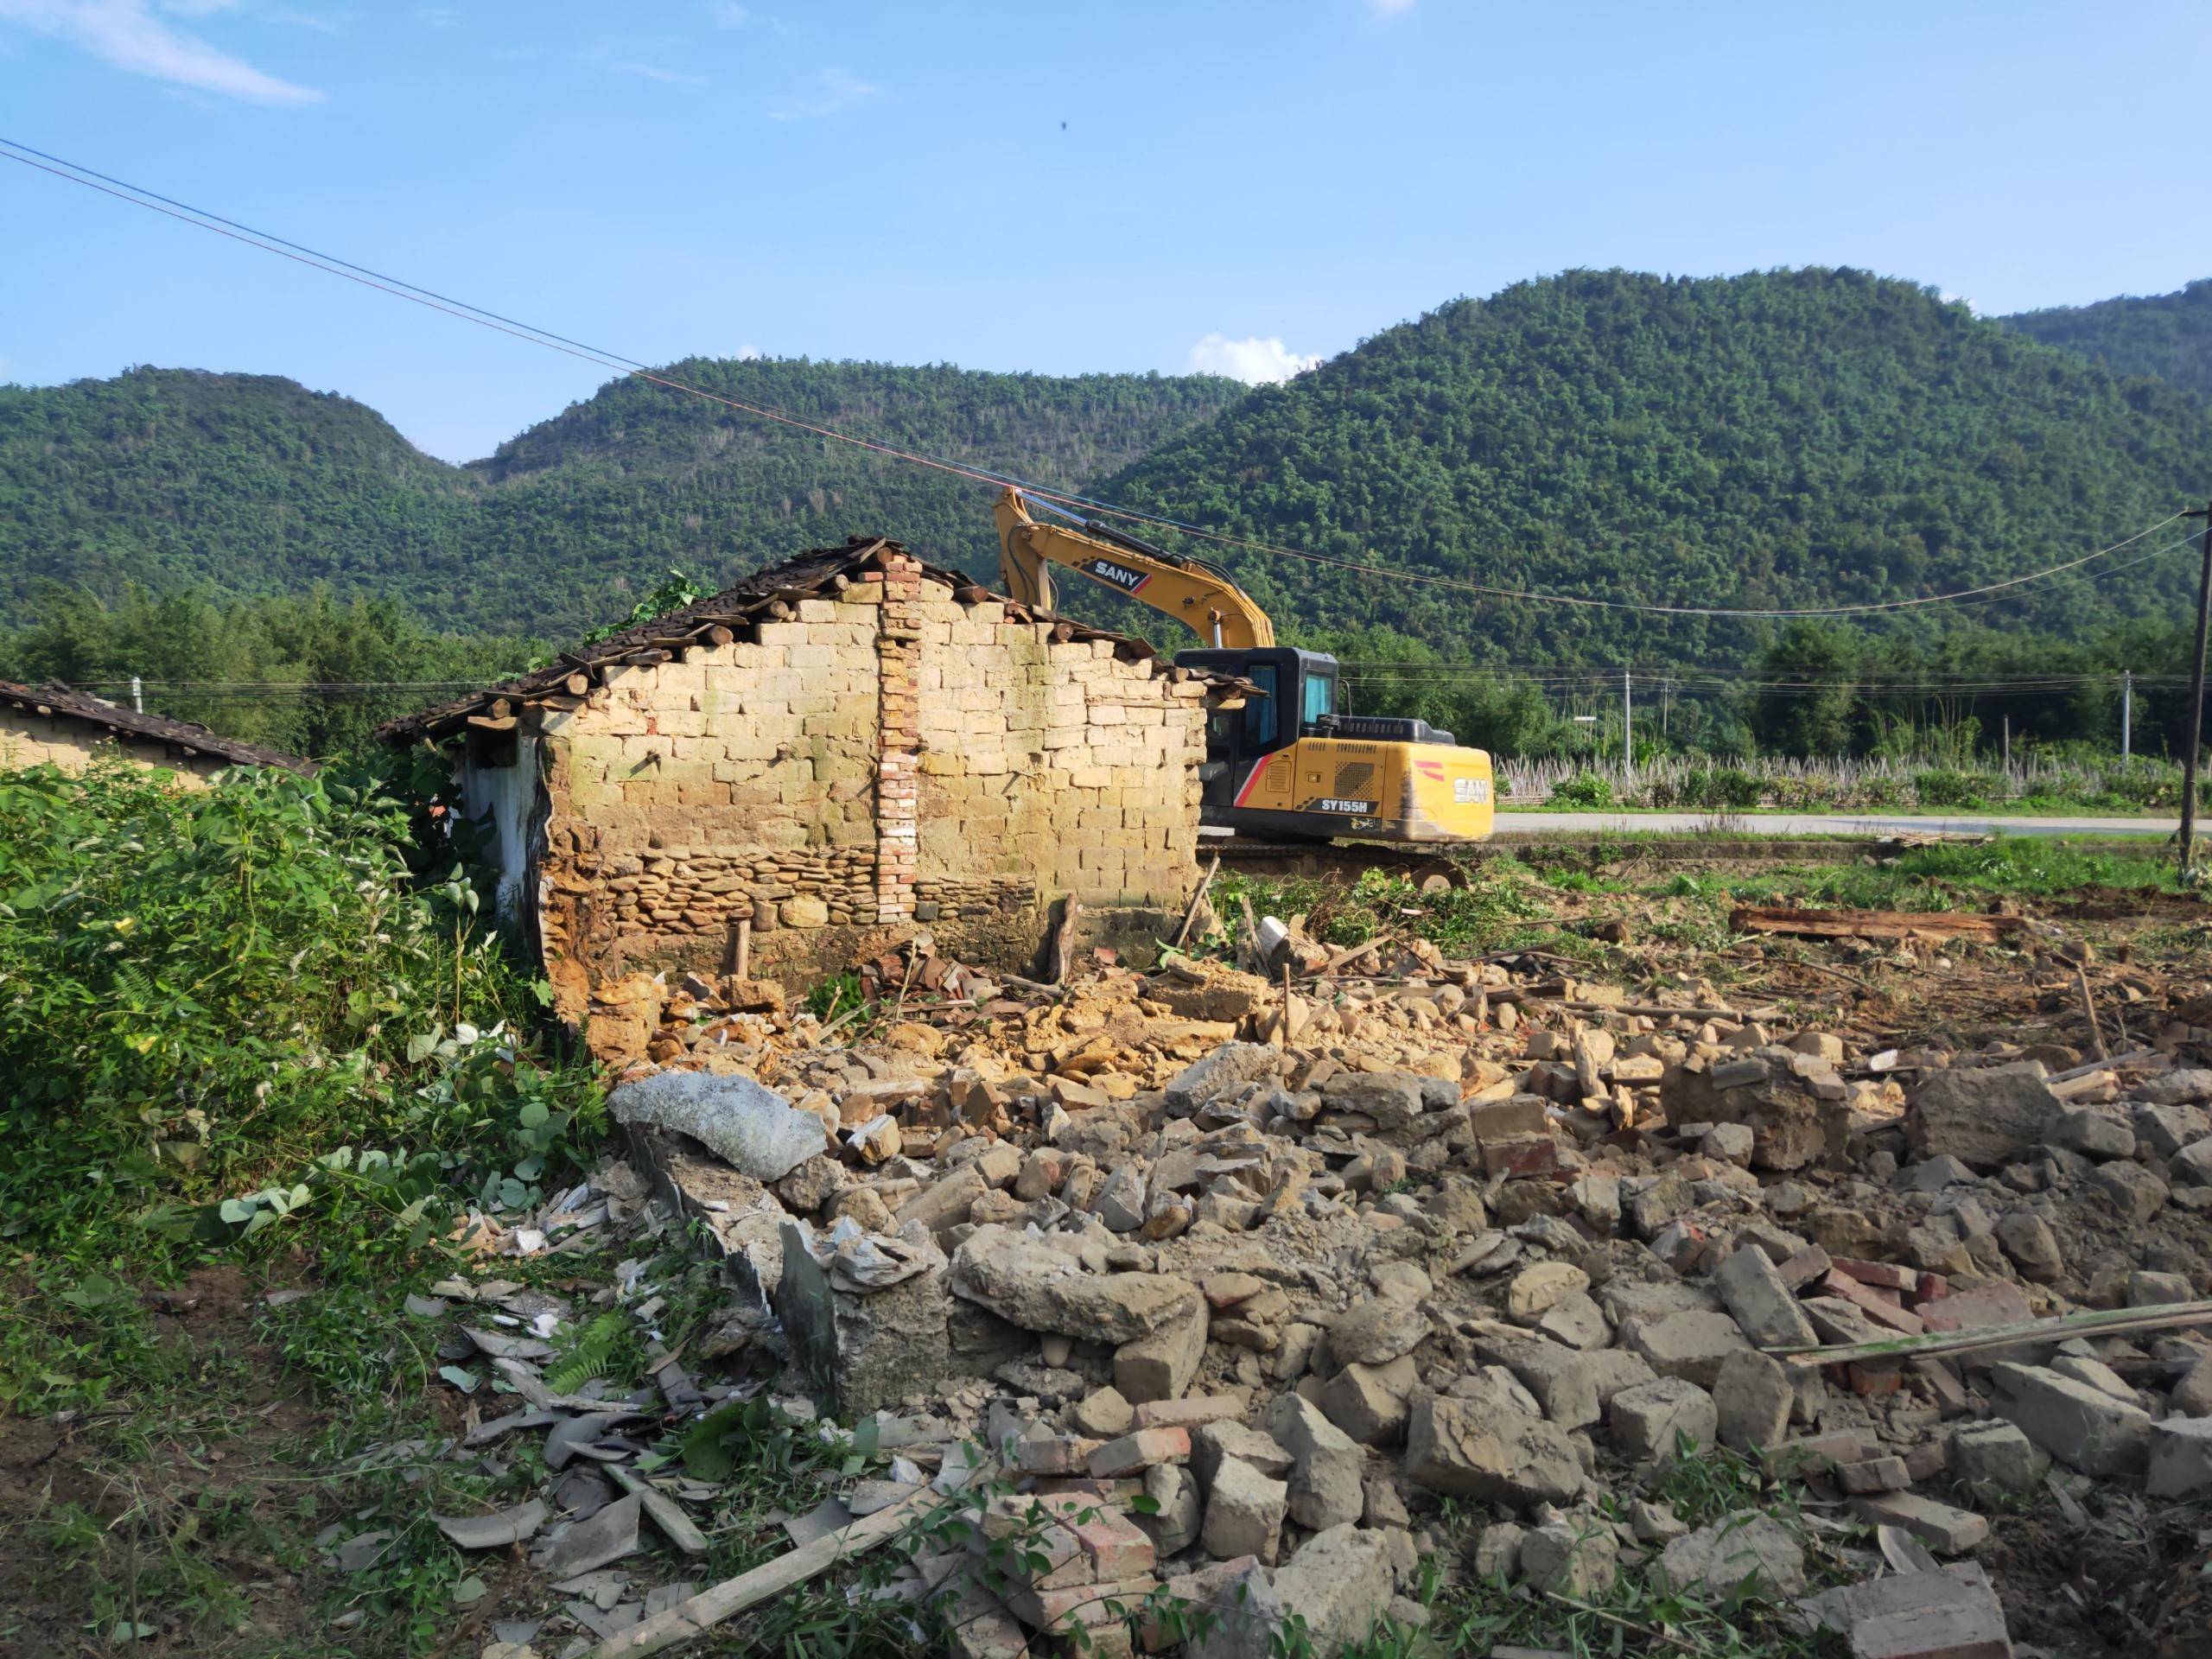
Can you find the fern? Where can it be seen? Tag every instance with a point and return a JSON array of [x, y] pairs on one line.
[[597, 1352]]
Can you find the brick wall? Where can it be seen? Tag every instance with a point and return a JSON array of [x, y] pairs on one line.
[[30, 740], [1056, 762], [885, 758]]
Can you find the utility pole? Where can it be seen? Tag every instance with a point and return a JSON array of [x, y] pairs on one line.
[[2007, 751], [2196, 697], [1628, 723], [137, 697], [2126, 715]]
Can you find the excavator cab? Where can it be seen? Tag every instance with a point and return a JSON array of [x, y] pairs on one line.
[[1288, 763]]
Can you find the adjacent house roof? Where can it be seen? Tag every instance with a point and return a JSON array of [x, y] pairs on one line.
[[180, 735], [766, 595]]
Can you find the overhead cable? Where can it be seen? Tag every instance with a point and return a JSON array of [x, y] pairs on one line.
[[139, 196]]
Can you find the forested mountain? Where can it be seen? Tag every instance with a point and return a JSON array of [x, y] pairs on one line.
[[1781, 439], [245, 484], [2166, 336], [171, 478]]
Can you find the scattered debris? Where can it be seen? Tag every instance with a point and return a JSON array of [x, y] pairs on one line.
[[1220, 1285]]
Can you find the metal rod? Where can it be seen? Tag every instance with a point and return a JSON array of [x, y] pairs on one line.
[[2195, 699]]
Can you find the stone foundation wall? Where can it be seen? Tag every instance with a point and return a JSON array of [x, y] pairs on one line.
[[29, 739]]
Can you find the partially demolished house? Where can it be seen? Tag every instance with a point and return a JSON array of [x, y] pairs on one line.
[[835, 752], [51, 725]]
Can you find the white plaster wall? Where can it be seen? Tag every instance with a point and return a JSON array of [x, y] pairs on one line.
[[507, 796]]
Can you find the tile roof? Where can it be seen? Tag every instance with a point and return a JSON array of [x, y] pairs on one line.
[[738, 609], [179, 734]]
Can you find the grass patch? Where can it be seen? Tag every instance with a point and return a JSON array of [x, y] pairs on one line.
[[1952, 876], [1639, 1616], [1505, 906]]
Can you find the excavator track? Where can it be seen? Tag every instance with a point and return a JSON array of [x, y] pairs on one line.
[[1426, 867]]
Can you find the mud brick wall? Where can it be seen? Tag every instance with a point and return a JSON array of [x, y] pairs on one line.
[[890, 756], [30, 740], [1052, 762], [739, 782]]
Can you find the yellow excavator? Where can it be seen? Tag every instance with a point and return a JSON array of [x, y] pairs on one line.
[[1287, 763]]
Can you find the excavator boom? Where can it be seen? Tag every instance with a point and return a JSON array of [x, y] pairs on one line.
[[1221, 614], [1283, 762]]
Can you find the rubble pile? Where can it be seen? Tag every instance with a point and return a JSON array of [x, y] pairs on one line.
[[1241, 1283]]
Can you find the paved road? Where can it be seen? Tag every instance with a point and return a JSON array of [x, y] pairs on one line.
[[1819, 823]]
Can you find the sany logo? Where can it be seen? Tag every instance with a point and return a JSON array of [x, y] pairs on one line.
[[1114, 575]]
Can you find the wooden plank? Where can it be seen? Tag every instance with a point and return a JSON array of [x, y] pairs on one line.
[[1871, 923], [1196, 899], [2090, 1322], [695, 1618]]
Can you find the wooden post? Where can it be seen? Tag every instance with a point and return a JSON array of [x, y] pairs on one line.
[[2089, 1012], [1196, 899], [744, 967], [2196, 697]]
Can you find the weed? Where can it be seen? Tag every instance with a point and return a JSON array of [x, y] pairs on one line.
[[833, 997]]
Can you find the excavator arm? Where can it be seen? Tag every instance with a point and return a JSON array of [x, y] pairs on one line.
[[1204, 599]]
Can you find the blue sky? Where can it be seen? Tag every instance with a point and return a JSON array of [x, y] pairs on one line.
[[1235, 186]]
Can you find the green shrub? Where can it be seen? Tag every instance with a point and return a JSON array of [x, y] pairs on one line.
[[1941, 787], [213, 997], [1724, 788], [1586, 791]]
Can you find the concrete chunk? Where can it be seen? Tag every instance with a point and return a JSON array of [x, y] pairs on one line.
[[2083, 1428], [1649, 1422], [1751, 1400], [1326, 1465], [1944, 1530], [1724, 1554], [1761, 1303], [1338, 1584], [1477, 1449], [2181, 1458], [1985, 1116], [1244, 1512], [1949, 1614], [1996, 1454], [1690, 1345]]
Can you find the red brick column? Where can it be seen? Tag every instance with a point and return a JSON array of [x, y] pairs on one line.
[[898, 650]]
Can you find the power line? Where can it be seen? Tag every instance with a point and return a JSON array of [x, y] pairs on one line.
[[139, 196]]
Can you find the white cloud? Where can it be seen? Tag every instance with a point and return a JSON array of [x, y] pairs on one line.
[[127, 33], [1254, 361], [834, 92], [745, 354]]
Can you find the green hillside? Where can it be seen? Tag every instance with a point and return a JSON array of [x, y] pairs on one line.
[[1784, 438], [242, 484], [171, 478], [2166, 336], [1792, 438]]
